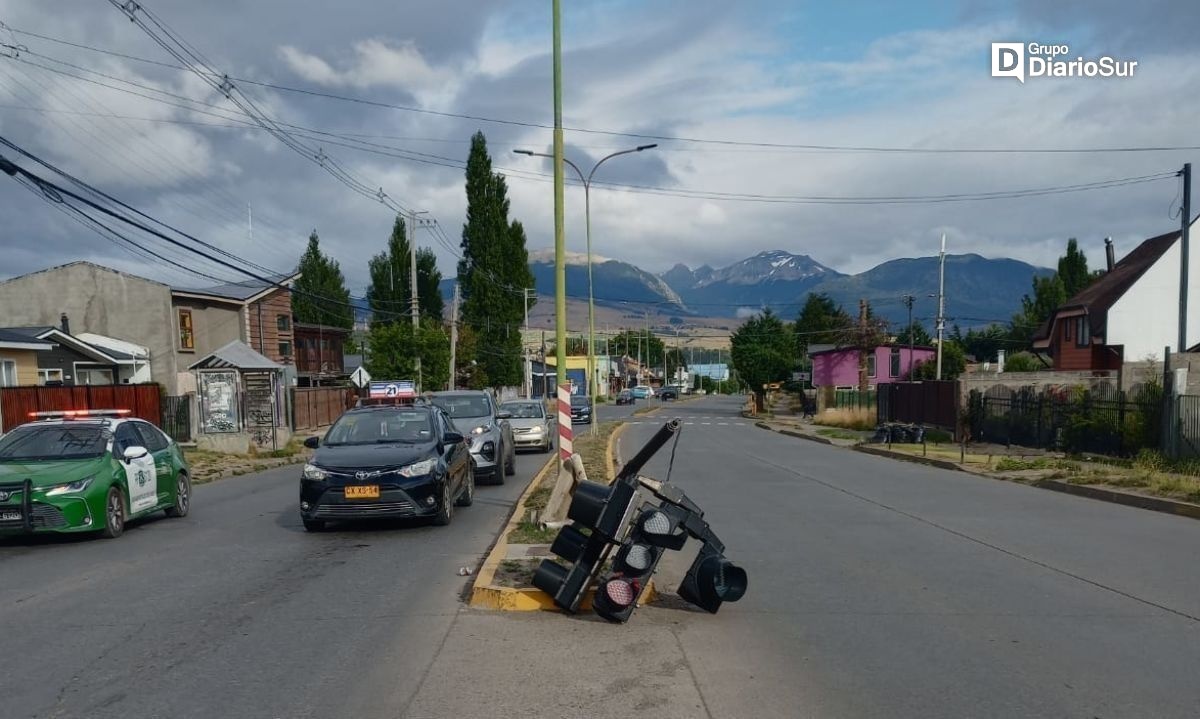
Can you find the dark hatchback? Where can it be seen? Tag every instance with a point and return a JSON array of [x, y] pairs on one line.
[[387, 461], [625, 397]]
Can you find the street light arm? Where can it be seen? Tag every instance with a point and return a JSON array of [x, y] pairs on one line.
[[604, 159], [574, 167]]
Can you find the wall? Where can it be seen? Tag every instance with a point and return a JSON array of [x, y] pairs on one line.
[[274, 304], [214, 325], [1146, 318], [983, 381], [64, 359], [838, 368], [883, 362], [100, 300], [27, 368]]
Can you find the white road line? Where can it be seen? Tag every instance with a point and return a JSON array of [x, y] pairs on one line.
[[706, 423], [723, 423]]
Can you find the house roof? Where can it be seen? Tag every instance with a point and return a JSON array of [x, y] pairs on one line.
[[826, 349], [1098, 297], [237, 291], [326, 329], [236, 355], [87, 264], [98, 347], [15, 339]]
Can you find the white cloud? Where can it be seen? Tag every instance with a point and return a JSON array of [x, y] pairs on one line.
[[376, 63]]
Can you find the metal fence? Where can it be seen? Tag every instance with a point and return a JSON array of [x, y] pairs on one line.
[[852, 399], [1102, 420], [177, 417]]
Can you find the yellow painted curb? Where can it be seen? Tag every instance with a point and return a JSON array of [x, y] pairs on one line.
[[610, 454]]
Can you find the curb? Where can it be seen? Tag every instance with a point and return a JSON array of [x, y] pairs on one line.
[[1156, 504], [485, 595], [266, 464], [939, 463], [798, 435]]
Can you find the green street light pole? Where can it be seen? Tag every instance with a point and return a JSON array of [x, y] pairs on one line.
[[560, 240], [586, 181]]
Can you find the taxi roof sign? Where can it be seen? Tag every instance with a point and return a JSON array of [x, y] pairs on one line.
[[393, 388]]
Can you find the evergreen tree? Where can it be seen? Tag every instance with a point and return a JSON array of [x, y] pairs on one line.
[[319, 295], [916, 333], [388, 295], [429, 287], [1048, 294], [493, 271], [821, 321], [1073, 269]]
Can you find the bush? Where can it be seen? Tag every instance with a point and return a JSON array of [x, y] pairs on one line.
[[861, 419], [1022, 362]]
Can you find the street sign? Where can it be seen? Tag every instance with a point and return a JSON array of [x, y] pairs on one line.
[[360, 377], [394, 388]]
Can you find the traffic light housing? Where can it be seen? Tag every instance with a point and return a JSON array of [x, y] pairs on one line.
[[712, 579], [655, 530]]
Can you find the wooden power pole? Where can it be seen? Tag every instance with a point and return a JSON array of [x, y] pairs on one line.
[[862, 345]]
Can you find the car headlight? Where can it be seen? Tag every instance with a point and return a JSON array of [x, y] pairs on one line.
[[416, 469], [69, 487], [313, 472], [482, 429]]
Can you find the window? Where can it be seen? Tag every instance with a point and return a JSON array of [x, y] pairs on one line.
[[46, 376], [1082, 336], [871, 365], [1067, 330], [285, 348], [283, 322], [152, 439], [93, 376], [894, 370], [8, 373], [125, 437], [187, 338]]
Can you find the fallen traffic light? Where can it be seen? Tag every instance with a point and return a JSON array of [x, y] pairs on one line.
[[603, 510], [655, 530]]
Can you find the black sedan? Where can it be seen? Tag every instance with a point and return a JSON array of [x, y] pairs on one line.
[[387, 461], [668, 393], [625, 397]]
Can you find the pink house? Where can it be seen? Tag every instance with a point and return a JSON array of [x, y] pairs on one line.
[[838, 366]]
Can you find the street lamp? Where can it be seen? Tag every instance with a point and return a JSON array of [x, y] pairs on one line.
[[587, 212]]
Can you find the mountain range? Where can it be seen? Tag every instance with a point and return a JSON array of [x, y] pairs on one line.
[[979, 290]]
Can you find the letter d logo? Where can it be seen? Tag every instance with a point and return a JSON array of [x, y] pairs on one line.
[[1008, 60]]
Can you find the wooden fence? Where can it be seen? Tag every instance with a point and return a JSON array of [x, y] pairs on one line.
[[16, 403], [315, 407], [927, 403]]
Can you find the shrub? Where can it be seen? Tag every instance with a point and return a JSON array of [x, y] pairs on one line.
[[862, 419]]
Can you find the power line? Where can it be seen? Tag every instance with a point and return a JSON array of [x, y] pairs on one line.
[[380, 149], [615, 133]]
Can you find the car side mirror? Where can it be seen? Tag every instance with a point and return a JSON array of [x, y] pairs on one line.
[[453, 438], [504, 415], [132, 453], [312, 442]]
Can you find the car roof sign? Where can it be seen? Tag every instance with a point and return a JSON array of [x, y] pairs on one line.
[[73, 413]]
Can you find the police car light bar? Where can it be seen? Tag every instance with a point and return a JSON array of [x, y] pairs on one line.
[[71, 413]]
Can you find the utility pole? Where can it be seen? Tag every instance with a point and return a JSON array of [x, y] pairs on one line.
[[412, 278], [544, 383], [862, 348], [525, 349], [454, 339], [941, 316], [1186, 212], [908, 302]]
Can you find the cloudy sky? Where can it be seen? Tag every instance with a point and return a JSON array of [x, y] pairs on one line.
[[753, 75]]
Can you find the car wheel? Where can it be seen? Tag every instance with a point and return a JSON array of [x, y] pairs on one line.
[[467, 497], [547, 447], [114, 514], [183, 496], [314, 525], [510, 466], [445, 507]]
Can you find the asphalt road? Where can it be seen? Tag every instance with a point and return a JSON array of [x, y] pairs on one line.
[[236, 611], [877, 589]]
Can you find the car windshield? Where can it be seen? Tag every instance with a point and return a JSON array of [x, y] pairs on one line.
[[579, 401], [60, 441], [524, 410], [381, 426], [464, 405]]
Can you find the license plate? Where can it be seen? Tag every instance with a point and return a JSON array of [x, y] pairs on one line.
[[364, 491], [10, 516]]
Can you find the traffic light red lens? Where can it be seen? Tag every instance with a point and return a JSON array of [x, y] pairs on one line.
[[620, 592]]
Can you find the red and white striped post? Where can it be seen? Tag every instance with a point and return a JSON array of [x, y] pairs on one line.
[[565, 447]]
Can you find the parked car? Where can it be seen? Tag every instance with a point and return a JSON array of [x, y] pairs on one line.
[[643, 391], [625, 397], [475, 414], [668, 393], [387, 461], [89, 471], [581, 409], [532, 425]]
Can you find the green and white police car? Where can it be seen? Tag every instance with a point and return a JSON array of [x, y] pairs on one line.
[[88, 471]]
